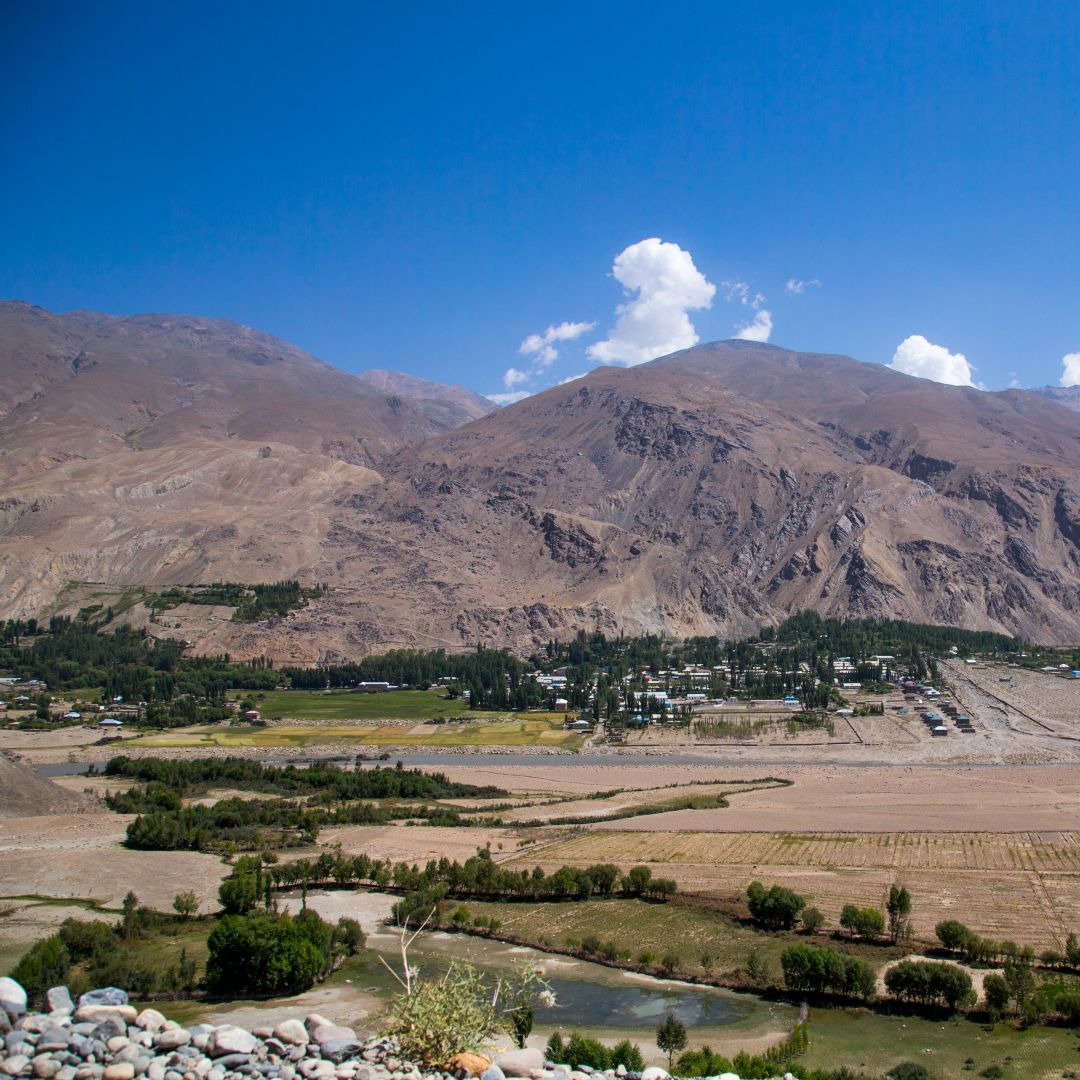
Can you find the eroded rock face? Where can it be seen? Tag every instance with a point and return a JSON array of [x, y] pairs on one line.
[[706, 492]]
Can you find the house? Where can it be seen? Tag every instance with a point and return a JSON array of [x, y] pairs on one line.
[[561, 704], [110, 723], [372, 687], [252, 714], [940, 730]]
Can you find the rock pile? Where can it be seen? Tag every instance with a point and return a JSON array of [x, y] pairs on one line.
[[102, 1037]]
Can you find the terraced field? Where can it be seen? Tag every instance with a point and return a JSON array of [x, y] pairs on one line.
[[1019, 886]]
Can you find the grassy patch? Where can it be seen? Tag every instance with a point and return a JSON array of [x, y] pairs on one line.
[[875, 1043], [637, 925], [534, 730], [416, 705]]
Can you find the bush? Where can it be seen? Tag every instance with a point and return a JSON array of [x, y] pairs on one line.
[[825, 970], [44, 966], [812, 920], [555, 1051], [926, 983], [628, 1055], [443, 1017], [349, 935], [582, 1050], [862, 922], [908, 1070], [263, 954], [776, 908]]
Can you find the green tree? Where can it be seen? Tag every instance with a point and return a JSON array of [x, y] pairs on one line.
[[185, 904], [671, 1036], [812, 920], [776, 908], [997, 993], [238, 894], [898, 908]]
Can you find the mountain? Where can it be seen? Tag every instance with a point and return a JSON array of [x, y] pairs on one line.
[[83, 385], [1069, 396], [706, 492], [446, 406]]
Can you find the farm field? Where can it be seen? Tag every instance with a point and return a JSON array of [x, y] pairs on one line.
[[351, 705], [1023, 887], [538, 729]]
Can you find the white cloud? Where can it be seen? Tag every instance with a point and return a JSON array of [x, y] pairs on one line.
[[736, 290], [513, 377], [509, 399], [655, 321], [917, 356], [797, 287], [571, 378], [542, 346], [1070, 369], [757, 330]]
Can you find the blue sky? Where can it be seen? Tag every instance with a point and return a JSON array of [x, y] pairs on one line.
[[422, 187]]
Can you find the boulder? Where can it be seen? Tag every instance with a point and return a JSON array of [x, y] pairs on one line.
[[171, 1038], [473, 1064], [654, 1072], [101, 1014], [229, 1039], [337, 1050], [150, 1020], [520, 1062], [493, 1072], [121, 1070], [108, 995], [12, 997], [331, 1033], [58, 999], [292, 1033], [15, 1064]]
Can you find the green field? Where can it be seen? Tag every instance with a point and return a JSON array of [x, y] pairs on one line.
[[873, 1042], [348, 705], [633, 925], [539, 729]]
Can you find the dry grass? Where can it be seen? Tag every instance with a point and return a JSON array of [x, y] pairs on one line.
[[1025, 886]]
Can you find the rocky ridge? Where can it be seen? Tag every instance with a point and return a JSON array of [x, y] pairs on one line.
[[103, 1037]]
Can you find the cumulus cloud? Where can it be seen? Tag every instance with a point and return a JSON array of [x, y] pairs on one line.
[[572, 378], [917, 356], [654, 322], [797, 287], [542, 346], [510, 398], [758, 329], [1070, 369], [513, 377]]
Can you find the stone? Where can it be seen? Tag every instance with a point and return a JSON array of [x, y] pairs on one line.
[[117, 1043], [12, 997], [54, 1038], [620, 1069], [108, 995], [66, 1073], [171, 1038], [654, 1072], [58, 999], [150, 1020], [473, 1064], [291, 1033], [231, 1040], [493, 1072], [121, 1070], [45, 1066], [99, 1014], [337, 1050], [327, 1033], [14, 1065], [520, 1062]]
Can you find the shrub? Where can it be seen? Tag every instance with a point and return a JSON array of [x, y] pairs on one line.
[[862, 922], [908, 1070], [582, 1050], [349, 935], [555, 1051], [44, 966], [439, 1018], [263, 953], [812, 920], [1068, 1004], [997, 994], [776, 908], [628, 1055]]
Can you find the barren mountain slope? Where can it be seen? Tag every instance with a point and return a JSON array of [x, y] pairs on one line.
[[84, 385], [727, 485], [706, 492], [1069, 396]]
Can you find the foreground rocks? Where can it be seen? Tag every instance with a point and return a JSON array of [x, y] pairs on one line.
[[103, 1037]]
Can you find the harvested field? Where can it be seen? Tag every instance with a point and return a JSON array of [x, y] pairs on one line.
[[418, 843], [80, 856], [1025, 887]]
